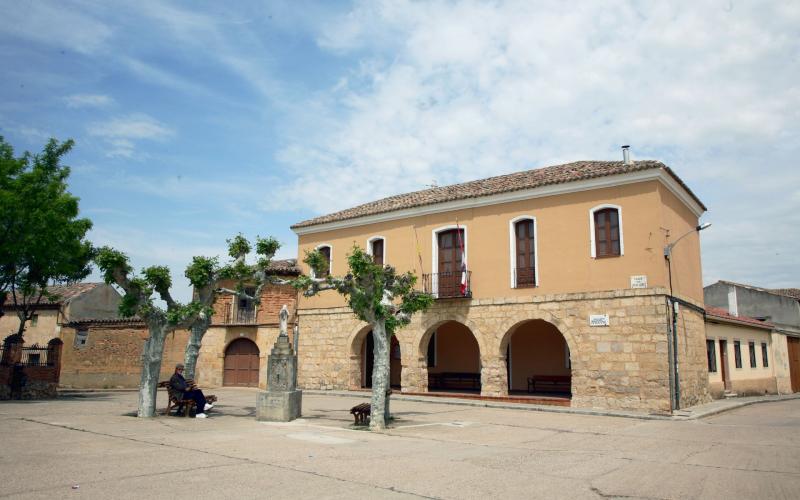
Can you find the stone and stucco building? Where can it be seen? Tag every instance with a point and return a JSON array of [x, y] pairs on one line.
[[564, 281]]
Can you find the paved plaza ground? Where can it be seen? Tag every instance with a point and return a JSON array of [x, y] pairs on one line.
[[89, 445]]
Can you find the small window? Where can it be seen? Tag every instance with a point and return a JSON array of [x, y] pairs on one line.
[[606, 231], [432, 351], [712, 356], [376, 249], [326, 253], [34, 320], [752, 346], [764, 356], [81, 336], [737, 353]]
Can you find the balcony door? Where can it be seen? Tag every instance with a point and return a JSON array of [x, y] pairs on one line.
[[449, 270]]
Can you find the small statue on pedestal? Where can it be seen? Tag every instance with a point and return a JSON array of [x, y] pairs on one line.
[[282, 401]]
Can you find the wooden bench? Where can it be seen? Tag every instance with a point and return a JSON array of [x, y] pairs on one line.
[[184, 405], [360, 413], [549, 383], [454, 380]]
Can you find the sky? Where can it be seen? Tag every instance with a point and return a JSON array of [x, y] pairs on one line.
[[195, 121]]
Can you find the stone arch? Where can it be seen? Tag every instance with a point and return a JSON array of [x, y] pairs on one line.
[[469, 364], [555, 364], [354, 342], [510, 325]]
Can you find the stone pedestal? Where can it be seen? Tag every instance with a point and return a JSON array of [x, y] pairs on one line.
[[282, 401]]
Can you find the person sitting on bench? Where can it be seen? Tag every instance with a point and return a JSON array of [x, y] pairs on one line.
[[184, 391]]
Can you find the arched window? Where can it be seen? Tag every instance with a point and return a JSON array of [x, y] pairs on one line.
[[376, 246], [606, 231], [524, 268], [327, 252]]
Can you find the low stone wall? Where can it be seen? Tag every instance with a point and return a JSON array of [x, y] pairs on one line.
[[624, 365]]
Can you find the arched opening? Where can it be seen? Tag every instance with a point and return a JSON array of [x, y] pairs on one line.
[[241, 364], [368, 361], [453, 359], [538, 360]]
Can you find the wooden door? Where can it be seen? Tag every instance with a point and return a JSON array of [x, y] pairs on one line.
[[241, 364], [449, 272], [793, 345], [723, 363]]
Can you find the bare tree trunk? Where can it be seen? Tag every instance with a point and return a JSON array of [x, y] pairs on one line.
[[152, 353], [198, 330], [380, 377]]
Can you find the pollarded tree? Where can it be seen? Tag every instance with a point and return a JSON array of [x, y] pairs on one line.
[[379, 296], [139, 300], [240, 272], [42, 240]]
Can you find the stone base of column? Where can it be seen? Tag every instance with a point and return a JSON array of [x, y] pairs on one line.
[[279, 406]]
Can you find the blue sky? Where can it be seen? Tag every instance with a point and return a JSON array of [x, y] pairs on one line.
[[195, 121]]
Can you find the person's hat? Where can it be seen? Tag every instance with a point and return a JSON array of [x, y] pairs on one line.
[[179, 365]]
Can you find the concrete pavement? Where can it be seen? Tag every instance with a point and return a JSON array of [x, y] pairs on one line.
[[92, 440]]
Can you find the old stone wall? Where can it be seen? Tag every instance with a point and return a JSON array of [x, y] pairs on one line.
[[692, 359], [211, 362], [112, 355], [623, 365]]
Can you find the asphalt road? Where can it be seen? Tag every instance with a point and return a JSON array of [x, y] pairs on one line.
[[90, 445]]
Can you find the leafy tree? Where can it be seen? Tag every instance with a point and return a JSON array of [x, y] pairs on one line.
[[140, 290], [239, 271], [379, 296], [42, 240]]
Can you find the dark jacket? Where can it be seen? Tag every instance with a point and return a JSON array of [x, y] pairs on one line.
[[178, 385]]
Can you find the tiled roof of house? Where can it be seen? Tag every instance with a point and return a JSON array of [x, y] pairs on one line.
[[723, 314], [285, 266], [63, 293], [789, 292], [529, 179]]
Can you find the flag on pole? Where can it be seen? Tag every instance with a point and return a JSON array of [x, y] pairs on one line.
[[419, 251], [463, 261]]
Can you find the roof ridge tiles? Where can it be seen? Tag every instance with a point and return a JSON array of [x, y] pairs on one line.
[[505, 183]]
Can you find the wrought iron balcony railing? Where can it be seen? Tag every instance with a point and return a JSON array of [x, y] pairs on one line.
[[449, 285], [234, 315]]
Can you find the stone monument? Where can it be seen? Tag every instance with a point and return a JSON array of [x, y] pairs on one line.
[[282, 401]]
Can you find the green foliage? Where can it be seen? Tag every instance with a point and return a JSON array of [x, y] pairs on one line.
[[110, 262], [366, 288], [158, 278], [238, 246], [317, 262], [42, 239], [201, 271]]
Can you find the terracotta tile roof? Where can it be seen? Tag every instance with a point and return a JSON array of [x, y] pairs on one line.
[[284, 266], [65, 293], [789, 292], [529, 179], [723, 314], [134, 320]]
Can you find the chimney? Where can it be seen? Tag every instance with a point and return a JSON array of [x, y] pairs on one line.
[[626, 155]]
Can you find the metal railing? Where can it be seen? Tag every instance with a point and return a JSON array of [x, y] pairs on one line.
[[447, 285], [234, 315], [524, 277], [35, 356]]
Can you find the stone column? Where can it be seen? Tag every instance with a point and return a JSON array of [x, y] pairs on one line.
[[494, 380]]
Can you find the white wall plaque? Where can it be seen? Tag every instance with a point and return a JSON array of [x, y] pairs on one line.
[[598, 320], [639, 281]]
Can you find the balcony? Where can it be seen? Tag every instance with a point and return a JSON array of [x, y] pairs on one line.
[[447, 285], [234, 315]]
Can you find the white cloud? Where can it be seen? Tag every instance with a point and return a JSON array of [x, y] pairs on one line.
[[88, 100], [454, 91], [121, 132], [55, 24]]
